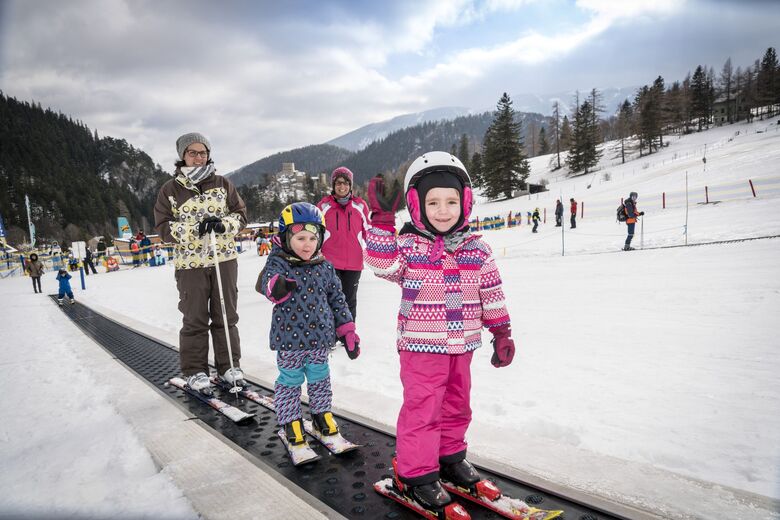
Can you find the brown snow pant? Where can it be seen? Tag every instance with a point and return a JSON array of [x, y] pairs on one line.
[[199, 303]]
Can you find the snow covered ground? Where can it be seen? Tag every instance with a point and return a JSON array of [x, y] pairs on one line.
[[648, 377]]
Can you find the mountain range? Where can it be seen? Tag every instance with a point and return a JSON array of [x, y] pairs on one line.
[[365, 148]]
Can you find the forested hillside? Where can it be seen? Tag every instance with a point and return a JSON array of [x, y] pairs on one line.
[[78, 183]]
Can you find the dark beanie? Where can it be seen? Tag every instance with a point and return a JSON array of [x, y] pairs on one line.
[[438, 179]]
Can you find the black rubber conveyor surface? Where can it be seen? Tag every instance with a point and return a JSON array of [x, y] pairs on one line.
[[344, 483]]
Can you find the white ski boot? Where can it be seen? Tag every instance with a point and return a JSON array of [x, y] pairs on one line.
[[232, 375], [200, 383]]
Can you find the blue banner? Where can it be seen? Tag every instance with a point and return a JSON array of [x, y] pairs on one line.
[[124, 228], [2, 229]]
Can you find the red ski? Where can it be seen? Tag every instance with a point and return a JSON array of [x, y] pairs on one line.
[[486, 494], [452, 511]]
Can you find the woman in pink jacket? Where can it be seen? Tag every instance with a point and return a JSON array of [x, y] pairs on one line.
[[451, 288], [346, 221]]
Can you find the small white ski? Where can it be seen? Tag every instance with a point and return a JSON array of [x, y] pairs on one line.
[[231, 412], [336, 444], [300, 453]]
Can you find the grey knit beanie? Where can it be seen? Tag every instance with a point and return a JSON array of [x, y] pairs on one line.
[[187, 139]]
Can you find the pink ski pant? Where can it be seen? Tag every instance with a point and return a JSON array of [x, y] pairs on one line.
[[435, 413]]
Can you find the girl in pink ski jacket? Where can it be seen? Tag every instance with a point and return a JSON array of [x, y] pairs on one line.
[[451, 288]]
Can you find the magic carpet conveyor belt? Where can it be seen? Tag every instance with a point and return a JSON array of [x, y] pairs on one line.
[[344, 483]]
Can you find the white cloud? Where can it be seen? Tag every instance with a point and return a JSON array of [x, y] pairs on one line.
[[259, 80]]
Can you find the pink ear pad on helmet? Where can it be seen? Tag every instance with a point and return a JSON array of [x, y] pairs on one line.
[[468, 201], [413, 204]]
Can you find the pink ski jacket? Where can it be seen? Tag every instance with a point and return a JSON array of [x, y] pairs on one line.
[[446, 302], [345, 232]]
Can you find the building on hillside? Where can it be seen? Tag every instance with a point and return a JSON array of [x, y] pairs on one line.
[[293, 179], [736, 106]]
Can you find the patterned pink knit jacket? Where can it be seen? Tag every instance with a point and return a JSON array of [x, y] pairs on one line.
[[444, 304]]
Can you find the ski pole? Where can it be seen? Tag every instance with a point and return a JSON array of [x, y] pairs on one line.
[[642, 233], [213, 240]]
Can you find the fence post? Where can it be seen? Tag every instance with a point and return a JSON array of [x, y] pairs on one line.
[[752, 188], [664, 200], [706, 195]]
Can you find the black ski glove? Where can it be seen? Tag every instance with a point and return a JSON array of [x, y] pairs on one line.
[[282, 287], [210, 224]]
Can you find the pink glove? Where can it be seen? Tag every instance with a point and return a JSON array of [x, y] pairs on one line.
[[346, 333], [503, 347], [383, 208]]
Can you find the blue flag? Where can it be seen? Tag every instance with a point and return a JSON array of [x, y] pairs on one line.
[[124, 228]]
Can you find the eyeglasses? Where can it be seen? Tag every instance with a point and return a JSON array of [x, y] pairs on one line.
[[196, 153], [342, 183]]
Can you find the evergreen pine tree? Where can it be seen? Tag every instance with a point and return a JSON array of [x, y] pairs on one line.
[[557, 131], [767, 83], [584, 154], [699, 96], [505, 166], [566, 134], [463, 150], [475, 170], [625, 124], [544, 146], [726, 87]]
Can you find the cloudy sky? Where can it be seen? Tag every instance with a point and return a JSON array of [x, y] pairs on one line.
[[260, 77]]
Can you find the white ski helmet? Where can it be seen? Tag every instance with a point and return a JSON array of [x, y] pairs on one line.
[[435, 162]]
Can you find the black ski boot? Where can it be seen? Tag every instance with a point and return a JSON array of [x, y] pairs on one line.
[[430, 496], [324, 423], [294, 432], [462, 474]]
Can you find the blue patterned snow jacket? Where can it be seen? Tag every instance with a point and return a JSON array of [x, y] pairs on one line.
[[306, 318]]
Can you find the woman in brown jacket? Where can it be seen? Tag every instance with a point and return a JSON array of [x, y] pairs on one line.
[[189, 206], [36, 269]]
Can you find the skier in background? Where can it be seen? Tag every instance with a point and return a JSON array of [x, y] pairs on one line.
[[558, 213], [632, 213], [573, 213], [88, 262], [440, 265], [310, 312], [135, 252], [189, 207], [36, 269], [64, 290], [535, 217]]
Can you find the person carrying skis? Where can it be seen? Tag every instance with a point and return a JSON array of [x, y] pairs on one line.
[[189, 207], [535, 217], [310, 312], [632, 215], [451, 288], [346, 220], [64, 279], [573, 213], [36, 269], [558, 213]]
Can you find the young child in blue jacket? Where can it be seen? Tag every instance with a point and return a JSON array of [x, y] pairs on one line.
[[309, 314], [64, 279]]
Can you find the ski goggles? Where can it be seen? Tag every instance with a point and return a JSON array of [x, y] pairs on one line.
[[311, 228]]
